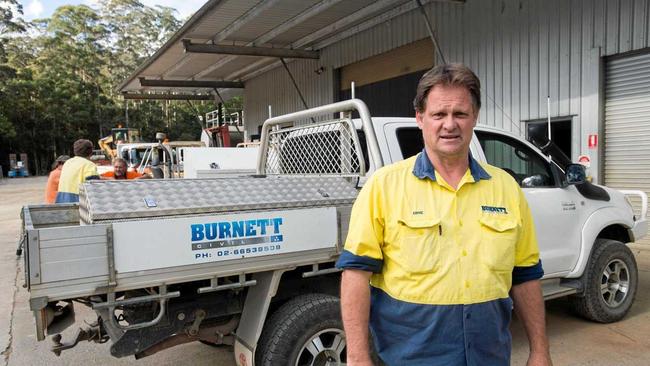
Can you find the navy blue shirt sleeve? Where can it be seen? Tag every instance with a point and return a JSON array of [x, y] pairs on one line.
[[347, 260], [525, 274]]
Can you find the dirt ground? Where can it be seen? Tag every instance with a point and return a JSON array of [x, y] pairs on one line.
[[574, 341]]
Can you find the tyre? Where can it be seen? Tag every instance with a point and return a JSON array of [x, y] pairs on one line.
[[306, 330], [610, 283]]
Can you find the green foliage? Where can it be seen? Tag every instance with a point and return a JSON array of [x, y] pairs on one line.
[[8, 21], [8, 25], [57, 81], [7, 130]]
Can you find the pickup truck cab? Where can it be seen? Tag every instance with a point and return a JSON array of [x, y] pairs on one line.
[[249, 261]]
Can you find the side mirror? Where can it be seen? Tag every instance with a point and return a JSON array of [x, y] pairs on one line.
[[575, 174]]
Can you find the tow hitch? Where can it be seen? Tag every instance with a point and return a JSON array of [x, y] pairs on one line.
[[93, 333]]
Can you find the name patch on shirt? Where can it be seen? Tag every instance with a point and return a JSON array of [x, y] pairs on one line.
[[493, 209]]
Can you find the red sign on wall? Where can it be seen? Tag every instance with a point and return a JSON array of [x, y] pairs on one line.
[[592, 141]]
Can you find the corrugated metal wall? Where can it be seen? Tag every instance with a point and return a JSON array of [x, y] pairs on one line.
[[275, 88], [521, 50]]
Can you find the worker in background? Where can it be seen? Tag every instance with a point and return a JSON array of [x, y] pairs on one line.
[[441, 247], [120, 171], [76, 171], [53, 179]]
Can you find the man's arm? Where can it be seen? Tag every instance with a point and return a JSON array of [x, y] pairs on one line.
[[529, 307], [355, 311]]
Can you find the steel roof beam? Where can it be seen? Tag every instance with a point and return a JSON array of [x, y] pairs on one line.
[[191, 83], [281, 29], [141, 96], [249, 51], [334, 28], [259, 67], [230, 29]]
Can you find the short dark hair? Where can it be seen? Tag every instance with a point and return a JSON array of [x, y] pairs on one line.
[[83, 148], [453, 74]]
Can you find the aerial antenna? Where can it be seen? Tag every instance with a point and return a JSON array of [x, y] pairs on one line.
[[548, 114]]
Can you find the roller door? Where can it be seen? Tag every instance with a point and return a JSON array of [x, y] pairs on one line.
[[627, 123]]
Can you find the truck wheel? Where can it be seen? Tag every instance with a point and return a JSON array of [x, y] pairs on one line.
[[610, 282], [305, 331]]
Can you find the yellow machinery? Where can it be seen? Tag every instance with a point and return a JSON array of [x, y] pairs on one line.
[[118, 135]]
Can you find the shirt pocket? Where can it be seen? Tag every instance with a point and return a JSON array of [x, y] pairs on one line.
[[498, 241], [419, 248]]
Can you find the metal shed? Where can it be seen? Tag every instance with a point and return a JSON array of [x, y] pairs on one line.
[[522, 50]]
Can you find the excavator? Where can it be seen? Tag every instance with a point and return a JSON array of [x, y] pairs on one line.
[[119, 135]]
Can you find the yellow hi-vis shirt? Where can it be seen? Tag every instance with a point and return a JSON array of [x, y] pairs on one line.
[[75, 171], [429, 243]]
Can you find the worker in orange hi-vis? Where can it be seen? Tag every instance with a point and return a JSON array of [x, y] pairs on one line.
[[120, 171], [53, 179]]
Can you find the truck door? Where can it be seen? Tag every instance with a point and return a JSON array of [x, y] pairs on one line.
[[557, 210]]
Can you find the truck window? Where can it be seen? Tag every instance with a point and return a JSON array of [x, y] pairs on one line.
[[364, 148], [523, 163], [410, 141]]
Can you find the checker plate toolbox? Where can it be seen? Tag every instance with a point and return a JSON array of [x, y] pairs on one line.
[[169, 246], [112, 201]]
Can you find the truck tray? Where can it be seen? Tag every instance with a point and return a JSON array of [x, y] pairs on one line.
[[140, 234]]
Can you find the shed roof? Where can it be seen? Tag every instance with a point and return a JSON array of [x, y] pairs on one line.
[[257, 25]]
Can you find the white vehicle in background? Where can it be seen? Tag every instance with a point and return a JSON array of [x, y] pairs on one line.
[[249, 261], [214, 162], [163, 159]]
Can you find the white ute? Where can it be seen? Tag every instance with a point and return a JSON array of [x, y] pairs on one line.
[[249, 261]]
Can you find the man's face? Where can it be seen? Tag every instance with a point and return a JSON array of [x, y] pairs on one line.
[[448, 121], [119, 169]]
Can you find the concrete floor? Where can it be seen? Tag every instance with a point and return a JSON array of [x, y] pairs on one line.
[[574, 341]]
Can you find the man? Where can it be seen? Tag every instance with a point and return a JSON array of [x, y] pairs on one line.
[[76, 171], [443, 242], [53, 179], [120, 171]]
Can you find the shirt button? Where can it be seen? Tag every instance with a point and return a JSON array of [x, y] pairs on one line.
[[464, 253], [460, 222], [467, 284]]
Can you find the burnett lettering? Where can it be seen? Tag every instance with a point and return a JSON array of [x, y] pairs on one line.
[[236, 229], [494, 209]]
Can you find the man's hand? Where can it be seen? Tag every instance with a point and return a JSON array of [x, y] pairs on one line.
[[529, 307], [539, 359], [355, 311]]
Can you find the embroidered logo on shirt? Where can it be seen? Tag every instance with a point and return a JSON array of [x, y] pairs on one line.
[[418, 213], [493, 209]]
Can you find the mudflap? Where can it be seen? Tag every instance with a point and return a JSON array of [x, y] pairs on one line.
[[243, 354], [254, 314]]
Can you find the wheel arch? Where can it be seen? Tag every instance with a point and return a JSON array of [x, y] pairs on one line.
[[275, 288], [616, 232], [294, 284], [605, 223]]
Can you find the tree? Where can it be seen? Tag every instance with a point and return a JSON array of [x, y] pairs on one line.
[[8, 24], [63, 74], [137, 31]]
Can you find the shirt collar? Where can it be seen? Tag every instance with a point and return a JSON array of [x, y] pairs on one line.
[[424, 169]]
